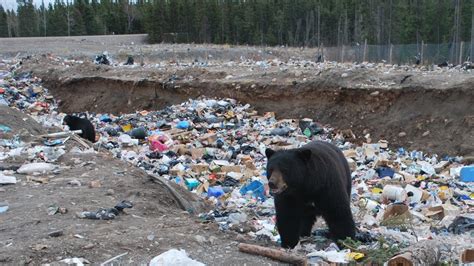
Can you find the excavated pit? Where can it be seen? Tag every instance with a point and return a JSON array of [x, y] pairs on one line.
[[433, 120]]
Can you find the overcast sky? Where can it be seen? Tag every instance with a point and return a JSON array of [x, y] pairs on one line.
[[11, 4]]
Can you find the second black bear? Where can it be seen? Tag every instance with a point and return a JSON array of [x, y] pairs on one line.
[[77, 123], [308, 182]]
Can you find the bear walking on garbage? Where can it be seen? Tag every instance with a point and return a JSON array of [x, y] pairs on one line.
[[77, 123], [308, 182]]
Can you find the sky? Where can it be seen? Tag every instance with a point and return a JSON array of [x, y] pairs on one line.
[[11, 4]]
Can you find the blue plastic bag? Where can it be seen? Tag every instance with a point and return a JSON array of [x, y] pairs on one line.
[[256, 188], [182, 125], [215, 191]]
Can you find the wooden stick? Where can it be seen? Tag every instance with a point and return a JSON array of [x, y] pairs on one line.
[[184, 204], [404, 259], [114, 258], [61, 134], [273, 254], [80, 141]]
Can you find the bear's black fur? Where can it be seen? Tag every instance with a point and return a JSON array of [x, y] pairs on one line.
[[77, 123], [316, 181]]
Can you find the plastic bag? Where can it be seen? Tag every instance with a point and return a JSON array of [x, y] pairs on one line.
[[174, 257]]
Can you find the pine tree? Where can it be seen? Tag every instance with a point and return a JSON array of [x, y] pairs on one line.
[[27, 19], [57, 20], [3, 23], [257, 22], [43, 22], [77, 23], [12, 23]]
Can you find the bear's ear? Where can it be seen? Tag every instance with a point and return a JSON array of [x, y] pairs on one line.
[[269, 152], [304, 154]]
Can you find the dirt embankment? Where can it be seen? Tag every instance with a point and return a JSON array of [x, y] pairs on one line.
[[433, 114]]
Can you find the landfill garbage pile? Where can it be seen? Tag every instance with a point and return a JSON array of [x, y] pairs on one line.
[[215, 148], [298, 66], [102, 59]]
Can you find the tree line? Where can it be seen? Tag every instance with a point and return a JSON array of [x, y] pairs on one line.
[[253, 22]]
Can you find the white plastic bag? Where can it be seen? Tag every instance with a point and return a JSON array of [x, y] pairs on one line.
[[5, 179], [174, 257], [36, 167]]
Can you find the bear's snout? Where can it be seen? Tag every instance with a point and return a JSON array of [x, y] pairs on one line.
[[272, 185]]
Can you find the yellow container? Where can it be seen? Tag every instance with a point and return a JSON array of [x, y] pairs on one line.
[[127, 128]]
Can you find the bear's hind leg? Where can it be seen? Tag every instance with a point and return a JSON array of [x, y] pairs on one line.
[[340, 223]]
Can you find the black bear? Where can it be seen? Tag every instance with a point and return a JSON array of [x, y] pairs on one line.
[[77, 123], [308, 182]]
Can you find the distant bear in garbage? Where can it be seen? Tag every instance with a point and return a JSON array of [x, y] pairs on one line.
[[77, 123], [308, 182]]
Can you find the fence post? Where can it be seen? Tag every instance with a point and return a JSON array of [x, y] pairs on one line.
[[365, 50], [390, 56], [422, 50], [471, 54], [460, 52]]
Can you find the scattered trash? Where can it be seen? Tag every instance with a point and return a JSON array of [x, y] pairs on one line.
[[283, 131], [74, 182], [102, 59], [3, 207], [4, 129], [461, 224], [174, 257], [53, 209], [216, 191], [39, 247], [255, 189], [237, 218], [467, 256], [106, 214], [113, 259], [385, 171], [5, 180], [334, 256], [36, 168], [56, 233], [54, 142], [75, 261], [183, 125], [467, 174], [101, 214], [396, 214], [138, 133], [38, 179], [394, 193]]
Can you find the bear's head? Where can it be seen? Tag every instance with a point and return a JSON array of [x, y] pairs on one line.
[[67, 119], [286, 169]]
